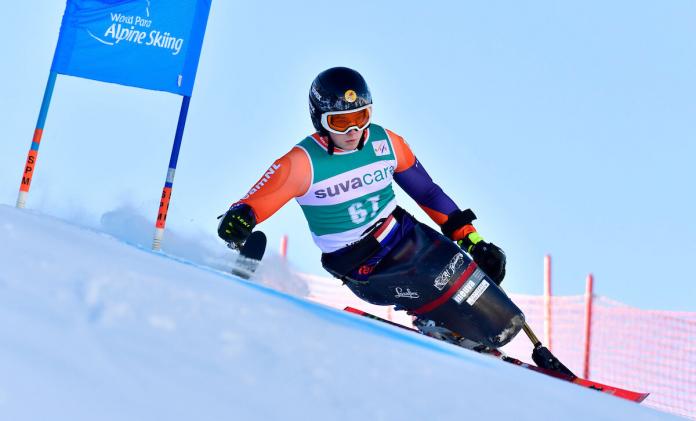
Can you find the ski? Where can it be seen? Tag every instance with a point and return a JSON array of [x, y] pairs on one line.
[[250, 255], [611, 390]]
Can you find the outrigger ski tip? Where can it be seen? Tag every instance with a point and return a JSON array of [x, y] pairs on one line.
[[250, 255], [550, 365]]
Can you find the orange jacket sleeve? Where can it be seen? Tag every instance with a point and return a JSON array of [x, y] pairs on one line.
[[288, 177], [404, 156]]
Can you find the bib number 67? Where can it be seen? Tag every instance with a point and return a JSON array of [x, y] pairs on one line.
[[358, 213]]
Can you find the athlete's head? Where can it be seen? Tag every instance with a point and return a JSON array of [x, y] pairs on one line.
[[340, 105]]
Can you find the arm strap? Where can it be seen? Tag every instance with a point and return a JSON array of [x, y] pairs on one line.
[[456, 220]]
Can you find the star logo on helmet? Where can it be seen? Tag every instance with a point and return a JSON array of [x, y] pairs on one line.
[[350, 96]]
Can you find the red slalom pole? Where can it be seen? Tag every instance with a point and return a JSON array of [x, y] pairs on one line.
[[589, 293], [547, 300], [284, 247]]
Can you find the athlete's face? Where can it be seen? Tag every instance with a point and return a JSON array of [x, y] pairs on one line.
[[348, 141]]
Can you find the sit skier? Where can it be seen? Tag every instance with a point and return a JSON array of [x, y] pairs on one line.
[[341, 176]]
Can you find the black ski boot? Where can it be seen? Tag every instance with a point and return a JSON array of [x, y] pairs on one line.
[[431, 328]]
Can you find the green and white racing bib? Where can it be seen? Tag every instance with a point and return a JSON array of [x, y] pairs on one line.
[[349, 191]]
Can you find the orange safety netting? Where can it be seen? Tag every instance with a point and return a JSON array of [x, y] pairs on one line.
[[642, 350]]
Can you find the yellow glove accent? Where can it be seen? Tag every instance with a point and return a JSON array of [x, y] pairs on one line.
[[471, 240], [475, 237]]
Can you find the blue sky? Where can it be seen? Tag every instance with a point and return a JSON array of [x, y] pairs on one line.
[[568, 127]]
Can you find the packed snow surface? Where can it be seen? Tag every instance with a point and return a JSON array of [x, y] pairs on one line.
[[96, 328]]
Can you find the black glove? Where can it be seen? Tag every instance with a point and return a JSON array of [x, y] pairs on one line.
[[236, 224], [490, 258]]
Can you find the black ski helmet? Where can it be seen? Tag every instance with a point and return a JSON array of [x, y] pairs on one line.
[[337, 89]]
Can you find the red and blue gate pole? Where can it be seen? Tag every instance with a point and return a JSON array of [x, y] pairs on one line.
[[35, 142], [169, 182]]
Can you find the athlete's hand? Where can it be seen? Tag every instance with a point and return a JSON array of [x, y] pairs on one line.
[[490, 258], [236, 224]]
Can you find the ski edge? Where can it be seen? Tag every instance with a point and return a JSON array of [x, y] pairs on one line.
[[589, 384]]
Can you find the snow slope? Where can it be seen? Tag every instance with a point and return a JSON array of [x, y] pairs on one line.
[[95, 328]]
